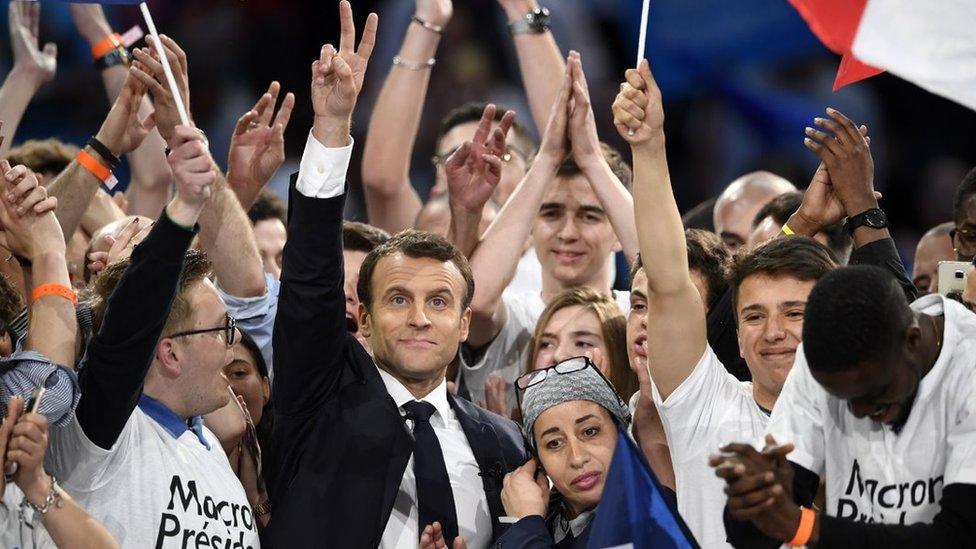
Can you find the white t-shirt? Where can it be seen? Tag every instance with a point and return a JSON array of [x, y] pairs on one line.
[[153, 488], [528, 274], [17, 535], [708, 410], [872, 473], [507, 353]]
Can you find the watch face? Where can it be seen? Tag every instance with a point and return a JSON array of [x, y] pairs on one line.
[[876, 218]]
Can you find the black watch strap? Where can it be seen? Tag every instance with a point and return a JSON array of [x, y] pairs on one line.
[[874, 218], [534, 22], [118, 56]]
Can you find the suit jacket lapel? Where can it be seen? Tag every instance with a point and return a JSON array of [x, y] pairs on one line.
[[487, 452]]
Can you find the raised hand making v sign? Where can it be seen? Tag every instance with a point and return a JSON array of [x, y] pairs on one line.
[[337, 78]]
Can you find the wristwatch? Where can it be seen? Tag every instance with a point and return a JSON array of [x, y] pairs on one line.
[[118, 56], [874, 218], [534, 22]]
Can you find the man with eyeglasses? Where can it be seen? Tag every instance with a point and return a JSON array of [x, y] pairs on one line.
[[964, 214], [138, 455]]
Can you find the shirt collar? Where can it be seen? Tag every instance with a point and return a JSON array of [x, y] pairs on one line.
[[576, 526], [171, 421], [401, 396]]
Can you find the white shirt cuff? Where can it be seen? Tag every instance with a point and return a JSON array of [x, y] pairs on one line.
[[322, 172]]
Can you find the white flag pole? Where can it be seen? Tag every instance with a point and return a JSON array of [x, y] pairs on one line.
[[642, 41], [163, 58]]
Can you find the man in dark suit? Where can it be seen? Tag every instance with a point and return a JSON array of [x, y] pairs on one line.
[[373, 448]]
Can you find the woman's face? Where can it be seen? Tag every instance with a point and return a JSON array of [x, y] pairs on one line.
[[572, 331], [575, 441], [247, 381]]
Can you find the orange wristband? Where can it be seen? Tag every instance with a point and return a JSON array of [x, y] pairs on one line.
[[93, 166], [805, 530], [59, 290], [107, 44]]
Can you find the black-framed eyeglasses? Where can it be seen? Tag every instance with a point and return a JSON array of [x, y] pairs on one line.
[[438, 160], [229, 329], [568, 366]]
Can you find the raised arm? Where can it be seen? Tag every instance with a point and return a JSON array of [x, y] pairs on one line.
[[473, 172], [32, 230], [122, 131], [150, 180], [494, 262], [540, 61], [391, 201], [33, 67], [588, 154], [310, 328], [675, 316], [225, 230], [122, 351]]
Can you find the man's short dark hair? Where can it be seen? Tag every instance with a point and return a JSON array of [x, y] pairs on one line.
[[799, 257], [965, 190], [701, 216], [708, 255], [854, 314], [360, 237], [786, 204], [618, 165], [414, 244], [267, 206], [471, 112]]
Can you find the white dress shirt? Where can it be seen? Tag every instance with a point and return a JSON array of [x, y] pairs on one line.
[[322, 175], [470, 502]]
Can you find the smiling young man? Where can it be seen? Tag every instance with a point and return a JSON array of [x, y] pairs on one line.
[[577, 211], [881, 404], [702, 405]]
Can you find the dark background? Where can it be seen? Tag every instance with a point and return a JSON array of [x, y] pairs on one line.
[[740, 79]]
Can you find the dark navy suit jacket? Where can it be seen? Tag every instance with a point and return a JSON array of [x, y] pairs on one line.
[[342, 442]]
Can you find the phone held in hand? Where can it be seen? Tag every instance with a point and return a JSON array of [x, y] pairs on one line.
[[953, 275], [32, 405]]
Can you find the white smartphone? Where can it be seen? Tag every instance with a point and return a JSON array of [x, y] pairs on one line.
[[953, 275]]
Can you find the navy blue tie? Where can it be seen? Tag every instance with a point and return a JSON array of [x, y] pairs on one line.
[[435, 500]]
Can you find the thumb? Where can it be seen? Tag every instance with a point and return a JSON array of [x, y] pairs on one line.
[[344, 72], [644, 69], [459, 543], [51, 50], [530, 467], [459, 157]]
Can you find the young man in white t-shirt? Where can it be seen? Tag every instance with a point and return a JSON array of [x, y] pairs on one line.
[[137, 455], [578, 214], [881, 404], [702, 405]]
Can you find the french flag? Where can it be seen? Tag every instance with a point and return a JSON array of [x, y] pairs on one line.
[[928, 43]]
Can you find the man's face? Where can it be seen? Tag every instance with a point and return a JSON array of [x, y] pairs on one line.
[[512, 171], [965, 235], [271, 235], [881, 390], [930, 251], [572, 233], [204, 356], [417, 321], [352, 260], [637, 321], [769, 313]]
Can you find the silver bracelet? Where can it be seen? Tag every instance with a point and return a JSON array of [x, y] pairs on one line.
[[53, 499], [399, 62], [429, 26]]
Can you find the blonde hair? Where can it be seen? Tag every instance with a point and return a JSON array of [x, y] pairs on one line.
[[613, 324]]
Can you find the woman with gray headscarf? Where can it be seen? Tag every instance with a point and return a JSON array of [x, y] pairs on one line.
[[572, 418]]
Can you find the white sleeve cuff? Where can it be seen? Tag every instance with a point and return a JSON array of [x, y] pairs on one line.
[[322, 173]]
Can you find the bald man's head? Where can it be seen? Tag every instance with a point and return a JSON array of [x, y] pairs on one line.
[[934, 246], [739, 203]]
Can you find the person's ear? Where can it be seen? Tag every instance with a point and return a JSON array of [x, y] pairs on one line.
[[465, 324], [168, 356], [364, 321], [266, 389]]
